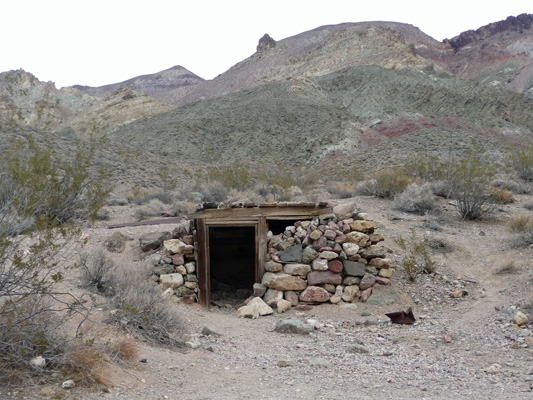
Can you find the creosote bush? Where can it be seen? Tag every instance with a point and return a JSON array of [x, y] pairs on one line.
[[416, 259], [42, 196], [521, 160], [466, 180]]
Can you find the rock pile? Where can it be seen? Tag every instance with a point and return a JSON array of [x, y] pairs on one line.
[[174, 266], [325, 260]]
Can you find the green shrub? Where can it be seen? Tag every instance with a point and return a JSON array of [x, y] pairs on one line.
[[390, 182], [521, 160], [466, 180], [41, 196], [417, 259], [521, 228]]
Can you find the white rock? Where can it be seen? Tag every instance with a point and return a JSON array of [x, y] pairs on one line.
[[190, 267], [68, 384], [38, 362], [283, 305], [174, 246], [172, 280]]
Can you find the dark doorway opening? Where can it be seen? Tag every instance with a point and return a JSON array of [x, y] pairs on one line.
[[232, 263], [277, 226]]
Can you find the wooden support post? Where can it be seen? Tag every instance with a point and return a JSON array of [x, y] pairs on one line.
[[203, 263]]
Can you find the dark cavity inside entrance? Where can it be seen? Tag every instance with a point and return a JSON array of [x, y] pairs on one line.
[[232, 262], [278, 226]]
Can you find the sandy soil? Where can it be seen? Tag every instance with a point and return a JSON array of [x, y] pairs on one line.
[[458, 348]]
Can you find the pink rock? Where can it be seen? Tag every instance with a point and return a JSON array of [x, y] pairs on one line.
[[320, 242], [382, 281], [291, 297], [335, 266], [366, 294], [367, 281], [314, 294], [333, 225], [330, 234], [178, 259], [322, 277], [337, 248]]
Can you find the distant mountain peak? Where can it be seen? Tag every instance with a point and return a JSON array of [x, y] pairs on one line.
[[515, 24]]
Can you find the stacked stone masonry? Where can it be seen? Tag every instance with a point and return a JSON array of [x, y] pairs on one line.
[[325, 260], [334, 258]]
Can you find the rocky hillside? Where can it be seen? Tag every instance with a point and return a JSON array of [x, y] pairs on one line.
[[369, 93], [499, 54]]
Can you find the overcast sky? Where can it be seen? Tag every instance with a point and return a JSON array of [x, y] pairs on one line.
[[99, 42]]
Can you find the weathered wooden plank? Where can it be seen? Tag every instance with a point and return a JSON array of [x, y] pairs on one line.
[[160, 221], [262, 248], [203, 268], [256, 212]]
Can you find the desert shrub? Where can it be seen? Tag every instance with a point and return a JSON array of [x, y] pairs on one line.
[[163, 197], [235, 176], [117, 201], [341, 190], [53, 193], [520, 224], [141, 309], [390, 182], [521, 160], [416, 198], [86, 364], [180, 208], [103, 214], [153, 209], [270, 192], [469, 185], [97, 272], [501, 196], [366, 188], [433, 220], [417, 259], [207, 191], [521, 228], [510, 185]]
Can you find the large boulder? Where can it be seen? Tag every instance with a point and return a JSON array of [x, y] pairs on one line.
[[153, 240]]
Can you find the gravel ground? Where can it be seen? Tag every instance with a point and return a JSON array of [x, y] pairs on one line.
[[458, 348]]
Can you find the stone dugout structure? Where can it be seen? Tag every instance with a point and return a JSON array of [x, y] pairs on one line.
[[299, 252]]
